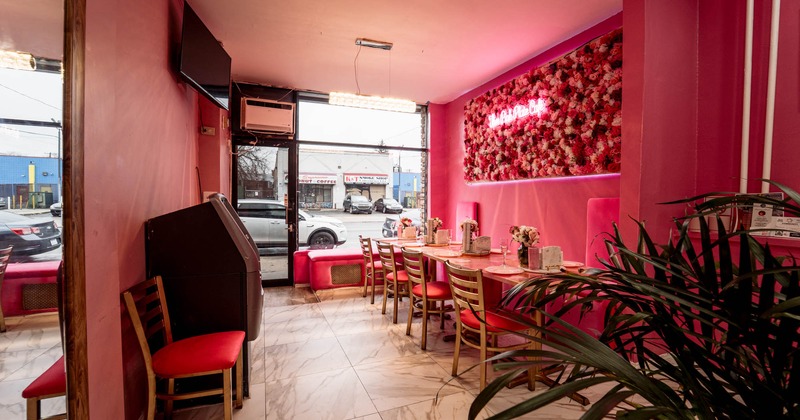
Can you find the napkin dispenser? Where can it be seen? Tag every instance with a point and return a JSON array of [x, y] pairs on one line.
[[466, 238], [552, 258], [482, 244], [430, 235], [442, 236], [409, 232]]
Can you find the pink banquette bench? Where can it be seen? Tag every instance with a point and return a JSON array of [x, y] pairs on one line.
[[332, 268], [30, 288]]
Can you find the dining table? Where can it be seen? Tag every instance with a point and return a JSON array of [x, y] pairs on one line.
[[499, 273]]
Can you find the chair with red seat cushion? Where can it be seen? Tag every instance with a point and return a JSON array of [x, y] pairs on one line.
[[482, 331], [50, 384], [428, 294], [373, 270], [207, 354], [396, 279]]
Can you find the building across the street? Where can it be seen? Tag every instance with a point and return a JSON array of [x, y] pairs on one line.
[[30, 182]]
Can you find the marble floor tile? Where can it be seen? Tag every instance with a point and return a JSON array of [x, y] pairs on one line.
[[305, 358], [405, 381], [377, 346], [274, 314], [454, 406], [369, 417], [14, 361], [333, 395], [33, 368], [12, 405], [296, 330], [288, 295], [357, 323], [342, 307]]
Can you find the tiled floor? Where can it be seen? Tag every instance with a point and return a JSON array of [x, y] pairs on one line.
[[329, 356]]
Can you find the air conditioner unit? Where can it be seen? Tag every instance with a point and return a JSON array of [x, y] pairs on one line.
[[268, 116]]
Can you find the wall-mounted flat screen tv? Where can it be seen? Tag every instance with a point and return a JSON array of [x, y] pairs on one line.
[[203, 63]]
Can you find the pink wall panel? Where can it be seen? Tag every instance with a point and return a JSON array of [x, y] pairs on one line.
[[140, 157], [557, 207], [662, 150]]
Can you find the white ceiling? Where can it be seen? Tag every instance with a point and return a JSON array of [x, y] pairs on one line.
[[442, 48]]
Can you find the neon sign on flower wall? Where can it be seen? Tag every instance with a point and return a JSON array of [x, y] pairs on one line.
[[535, 107], [577, 101]]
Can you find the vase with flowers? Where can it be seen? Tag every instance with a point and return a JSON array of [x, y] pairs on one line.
[[405, 222], [526, 237]]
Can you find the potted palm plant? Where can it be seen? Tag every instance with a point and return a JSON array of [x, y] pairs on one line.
[[694, 328]]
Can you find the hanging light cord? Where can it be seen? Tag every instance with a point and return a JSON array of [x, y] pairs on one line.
[[355, 68]]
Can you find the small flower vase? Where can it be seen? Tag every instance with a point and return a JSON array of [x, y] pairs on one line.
[[522, 255]]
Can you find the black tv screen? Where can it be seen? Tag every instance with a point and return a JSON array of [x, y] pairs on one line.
[[203, 62]]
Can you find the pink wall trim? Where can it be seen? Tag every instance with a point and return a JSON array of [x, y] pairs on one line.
[[556, 206]]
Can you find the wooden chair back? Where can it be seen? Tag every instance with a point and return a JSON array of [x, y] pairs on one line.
[[366, 250], [147, 308], [467, 288], [386, 254], [415, 268]]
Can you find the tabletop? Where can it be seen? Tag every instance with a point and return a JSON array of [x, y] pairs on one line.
[[453, 254]]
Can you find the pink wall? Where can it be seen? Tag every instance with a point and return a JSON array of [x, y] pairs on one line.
[[214, 150], [683, 95], [141, 151], [557, 207]]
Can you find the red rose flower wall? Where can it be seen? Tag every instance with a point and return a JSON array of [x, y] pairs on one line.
[[561, 119]]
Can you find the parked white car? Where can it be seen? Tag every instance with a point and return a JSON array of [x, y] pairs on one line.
[[265, 220]]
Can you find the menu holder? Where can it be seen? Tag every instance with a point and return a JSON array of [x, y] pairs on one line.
[[551, 258]]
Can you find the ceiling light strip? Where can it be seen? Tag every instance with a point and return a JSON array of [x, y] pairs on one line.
[[371, 102]]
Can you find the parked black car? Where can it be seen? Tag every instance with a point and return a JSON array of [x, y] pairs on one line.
[[387, 205], [28, 235], [357, 204]]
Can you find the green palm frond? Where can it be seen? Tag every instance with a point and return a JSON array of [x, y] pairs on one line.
[[705, 326]]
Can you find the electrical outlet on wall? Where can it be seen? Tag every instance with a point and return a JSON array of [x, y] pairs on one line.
[[207, 131]]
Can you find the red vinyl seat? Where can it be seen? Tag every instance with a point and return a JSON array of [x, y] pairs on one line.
[[50, 384]]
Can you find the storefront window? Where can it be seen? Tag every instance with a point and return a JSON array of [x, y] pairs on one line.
[[349, 152]]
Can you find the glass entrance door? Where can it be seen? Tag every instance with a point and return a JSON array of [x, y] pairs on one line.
[[265, 202]]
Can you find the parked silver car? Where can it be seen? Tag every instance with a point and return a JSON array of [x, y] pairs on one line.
[[265, 220]]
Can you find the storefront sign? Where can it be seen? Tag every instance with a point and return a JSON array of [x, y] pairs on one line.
[[366, 179], [535, 107], [317, 179]]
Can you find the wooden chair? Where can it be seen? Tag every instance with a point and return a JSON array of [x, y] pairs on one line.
[[5, 254], [395, 281], [427, 293], [207, 354], [50, 384], [482, 332], [373, 269]]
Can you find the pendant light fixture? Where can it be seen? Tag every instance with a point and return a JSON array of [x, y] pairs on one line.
[[370, 101], [17, 60]]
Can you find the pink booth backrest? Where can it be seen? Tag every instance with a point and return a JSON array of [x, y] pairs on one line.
[[600, 214], [464, 210]]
